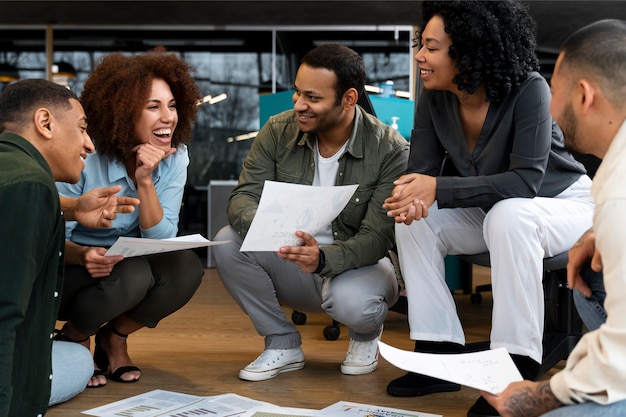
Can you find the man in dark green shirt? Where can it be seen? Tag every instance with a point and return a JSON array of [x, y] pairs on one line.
[[43, 140]]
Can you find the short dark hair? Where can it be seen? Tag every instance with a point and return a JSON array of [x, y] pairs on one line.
[[347, 65], [22, 97], [493, 43], [598, 51]]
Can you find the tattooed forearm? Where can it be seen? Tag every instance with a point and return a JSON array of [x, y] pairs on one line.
[[532, 401]]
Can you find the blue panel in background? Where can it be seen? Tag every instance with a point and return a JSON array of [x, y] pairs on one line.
[[271, 104], [385, 108], [404, 109]]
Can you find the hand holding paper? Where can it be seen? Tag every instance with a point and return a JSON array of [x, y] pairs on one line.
[[489, 370], [136, 246], [285, 208]]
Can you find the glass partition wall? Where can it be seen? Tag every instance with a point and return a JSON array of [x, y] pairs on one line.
[[241, 62]]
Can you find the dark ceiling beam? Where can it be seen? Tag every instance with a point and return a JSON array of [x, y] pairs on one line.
[[160, 19], [210, 12]]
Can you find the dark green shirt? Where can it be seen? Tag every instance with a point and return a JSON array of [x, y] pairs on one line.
[[31, 254], [375, 156]]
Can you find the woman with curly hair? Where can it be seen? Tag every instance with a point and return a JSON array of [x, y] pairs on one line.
[[140, 109], [487, 172]]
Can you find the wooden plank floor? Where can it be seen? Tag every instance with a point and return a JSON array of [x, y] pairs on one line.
[[199, 350]]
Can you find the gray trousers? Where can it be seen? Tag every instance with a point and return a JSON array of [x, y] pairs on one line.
[[145, 288], [260, 282]]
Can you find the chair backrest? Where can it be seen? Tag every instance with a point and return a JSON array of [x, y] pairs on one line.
[[590, 162], [365, 102]]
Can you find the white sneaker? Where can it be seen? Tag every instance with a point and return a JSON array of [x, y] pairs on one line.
[[362, 357], [273, 362]]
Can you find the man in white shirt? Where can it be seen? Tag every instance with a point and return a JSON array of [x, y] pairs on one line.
[[589, 104]]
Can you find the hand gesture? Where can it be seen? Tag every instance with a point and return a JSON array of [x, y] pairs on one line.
[[98, 207]]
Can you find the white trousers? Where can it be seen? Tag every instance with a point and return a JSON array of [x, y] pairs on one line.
[[518, 233]]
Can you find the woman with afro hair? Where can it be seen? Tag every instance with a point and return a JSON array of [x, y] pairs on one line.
[[140, 109], [487, 172]]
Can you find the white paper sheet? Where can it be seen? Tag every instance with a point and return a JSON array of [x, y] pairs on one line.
[[276, 411], [350, 409], [489, 370], [135, 246], [286, 208], [173, 404]]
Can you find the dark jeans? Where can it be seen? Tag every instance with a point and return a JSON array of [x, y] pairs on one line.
[[145, 288], [591, 310]]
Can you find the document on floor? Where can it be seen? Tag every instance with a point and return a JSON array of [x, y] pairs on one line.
[[160, 403], [137, 246], [489, 370], [286, 208], [349, 409], [277, 411]]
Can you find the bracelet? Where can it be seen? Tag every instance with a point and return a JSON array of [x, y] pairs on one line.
[[322, 262]]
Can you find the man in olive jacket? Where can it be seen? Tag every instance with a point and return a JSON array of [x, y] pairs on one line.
[[326, 140]]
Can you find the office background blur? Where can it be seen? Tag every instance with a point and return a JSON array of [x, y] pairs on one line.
[[245, 49]]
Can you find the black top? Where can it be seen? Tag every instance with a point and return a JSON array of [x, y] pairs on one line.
[[519, 152]]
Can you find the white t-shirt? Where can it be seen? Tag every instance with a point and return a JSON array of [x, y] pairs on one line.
[[326, 176]]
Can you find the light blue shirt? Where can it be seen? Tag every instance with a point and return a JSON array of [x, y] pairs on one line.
[[169, 180]]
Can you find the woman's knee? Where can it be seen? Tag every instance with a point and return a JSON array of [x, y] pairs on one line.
[[181, 269], [130, 276], [510, 217]]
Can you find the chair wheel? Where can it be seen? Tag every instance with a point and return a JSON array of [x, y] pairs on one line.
[[476, 298], [298, 317], [332, 332]]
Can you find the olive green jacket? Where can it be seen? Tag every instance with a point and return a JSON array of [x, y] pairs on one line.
[[375, 156]]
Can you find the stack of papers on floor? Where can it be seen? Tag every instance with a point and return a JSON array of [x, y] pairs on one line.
[[160, 403]]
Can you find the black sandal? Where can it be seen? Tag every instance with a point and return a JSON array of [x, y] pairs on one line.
[[101, 358], [62, 337]]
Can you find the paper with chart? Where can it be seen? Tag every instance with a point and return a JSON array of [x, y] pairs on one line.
[[277, 411], [285, 208], [137, 246], [350, 409], [161, 403], [489, 370]]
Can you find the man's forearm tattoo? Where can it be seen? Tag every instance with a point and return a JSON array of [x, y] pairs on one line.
[[530, 403]]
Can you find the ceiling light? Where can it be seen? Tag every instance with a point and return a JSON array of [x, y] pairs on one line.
[[245, 136], [8, 73], [63, 69], [212, 100]]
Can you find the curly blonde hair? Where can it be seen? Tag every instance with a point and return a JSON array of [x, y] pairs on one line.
[[116, 92]]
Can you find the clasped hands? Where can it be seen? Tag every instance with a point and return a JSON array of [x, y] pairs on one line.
[[409, 201], [411, 197]]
